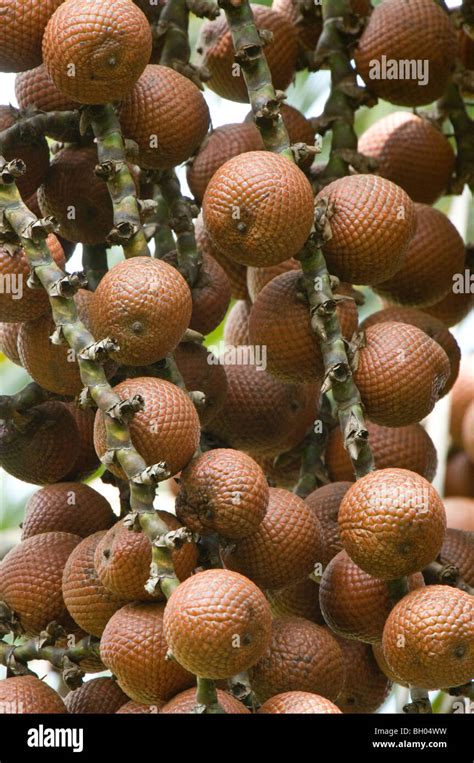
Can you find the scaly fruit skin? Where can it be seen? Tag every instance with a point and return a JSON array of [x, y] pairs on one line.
[[87, 461], [167, 429], [236, 327], [372, 225], [9, 341], [223, 491], [201, 372], [211, 295], [107, 42], [365, 686], [32, 150], [384, 666], [258, 208], [300, 599], [402, 373], [302, 656], [436, 624], [410, 152], [186, 702], [462, 395], [217, 53], [309, 16], [145, 305], [138, 708], [460, 513], [298, 702], [354, 604], [166, 115], [236, 273], [69, 507], [53, 366], [257, 278], [30, 580], [208, 615], [28, 695], [134, 648], [396, 35], [325, 503], [23, 25], [453, 308], [468, 431], [458, 549], [100, 696], [288, 521], [392, 523], [36, 89]]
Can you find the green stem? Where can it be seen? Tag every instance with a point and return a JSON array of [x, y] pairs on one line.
[[453, 106], [26, 398], [94, 264], [206, 698], [313, 472], [30, 127], [164, 241]]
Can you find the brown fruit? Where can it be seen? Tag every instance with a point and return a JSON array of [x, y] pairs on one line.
[[23, 25], [202, 372], [468, 431], [257, 278], [460, 513], [459, 480], [138, 708], [300, 599], [106, 44], [297, 703], [392, 35], [236, 273], [100, 696], [166, 115], [302, 656], [30, 580], [35, 89], [211, 295], [216, 49], [299, 130], [32, 149], [258, 208], [9, 341], [186, 702], [69, 507], [436, 628], [123, 558], [236, 328], [87, 460], [365, 686], [167, 429], [145, 305], [217, 624], [377, 651], [401, 375], [223, 491], [325, 503], [288, 522], [453, 308], [458, 549], [282, 470], [89, 603], [372, 223], [354, 604], [392, 523], [411, 152], [462, 394], [27, 695], [281, 322]]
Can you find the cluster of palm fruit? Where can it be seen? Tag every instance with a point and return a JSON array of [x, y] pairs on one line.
[[258, 594]]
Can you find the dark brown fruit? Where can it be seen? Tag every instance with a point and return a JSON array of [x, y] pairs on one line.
[[236, 273], [202, 372], [186, 702], [458, 550], [257, 278], [300, 599], [27, 695], [87, 460], [99, 696], [453, 308], [365, 686], [23, 25], [69, 507], [459, 480], [32, 150], [325, 503], [211, 295], [236, 328], [298, 702]]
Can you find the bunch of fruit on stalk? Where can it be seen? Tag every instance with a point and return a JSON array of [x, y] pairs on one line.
[[310, 564]]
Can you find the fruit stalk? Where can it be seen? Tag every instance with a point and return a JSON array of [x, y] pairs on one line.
[[94, 264], [164, 241], [174, 24], [313, 472], [206, 698], [26, 398], [31, 126], [452, 106]]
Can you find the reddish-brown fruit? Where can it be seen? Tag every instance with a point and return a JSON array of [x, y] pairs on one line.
[[365, 686], [236, 273], [297, 703], [302, 656], [468, 431], [377, 651], [458, 550], [282, 470], [138, 708], [28, 695], [9, 341], [123, 559], [87, 460], [89, 603], [408, 447], [257, 278], [186, 702], [462, 394], [36, 89], [394, 36], [32, 150], [459, 480], [167, 429], [372, 223], [68, 507], [281, 322], [236, 328], [258, 208], [401, 375], [453, 308], [167, 117], [288, 522], [100, 696], [460, 513], [30, 580], [354, 604], [211, 295], [300, 599], [106, 43], [218, 56], [223, 491], [325, 503], [23, 25], [202, 372], [145, 305], [436, 627], [53, 366], [211, 614], [306, 19], [411, 152], [134, 648]]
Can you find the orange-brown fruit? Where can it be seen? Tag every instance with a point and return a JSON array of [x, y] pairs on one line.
[[460, 513], [236, 328], [134, 648], [300, 599], [392, 37], [9, 341], [216, 51], [28, 695], [167, 429], [68, 507], [257, 278], [459, 479], [138, 708], [408, 447], [211, 614], [236, 273], [401, 374], [223, 491], [167, 117], [281, 321], [35, 89], [377, 651], [435, 624], [411, 152], [87, 460], [123, 559], [458, 549], [297, 703], [453, 308], [211, 295], [288, 522], [365, 686], [89, 602], [186, 702], [202, 372], [468, 431], [462, 394], [100, 696], [258, 208], [32, 149], [261, 414], [302, 656], [30, 580], [372, 223], [325, 503], [354, 604], [145, 305], [23, 25], [106, 44]]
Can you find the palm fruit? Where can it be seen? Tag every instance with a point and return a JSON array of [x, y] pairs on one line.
[[22, 29], [201, 372], [30, 147]]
